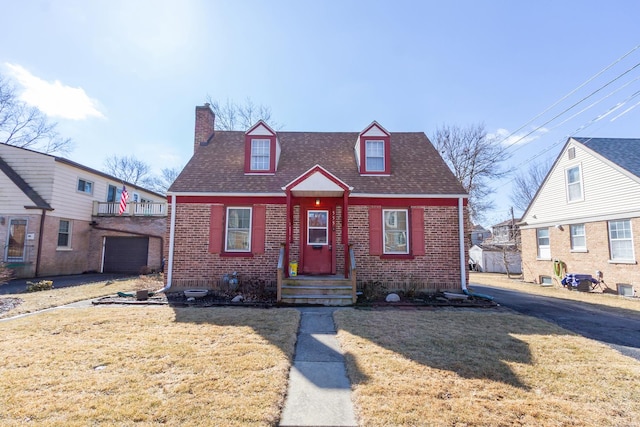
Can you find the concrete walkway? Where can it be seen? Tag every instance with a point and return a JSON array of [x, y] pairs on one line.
[[319, 392]]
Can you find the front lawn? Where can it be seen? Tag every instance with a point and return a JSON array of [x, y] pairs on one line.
[[146, 365], [482, 368]]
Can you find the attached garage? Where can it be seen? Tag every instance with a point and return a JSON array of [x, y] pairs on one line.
[[125, 254]]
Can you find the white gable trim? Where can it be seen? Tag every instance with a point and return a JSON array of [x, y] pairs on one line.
[[326, 172], [374, 129]]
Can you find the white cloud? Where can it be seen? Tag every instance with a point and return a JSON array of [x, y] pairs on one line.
[[54, 99], [524, 137]]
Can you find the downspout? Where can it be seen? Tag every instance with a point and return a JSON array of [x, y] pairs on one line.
[[463, 263], [40, 239], [463, 260], [172, 233]]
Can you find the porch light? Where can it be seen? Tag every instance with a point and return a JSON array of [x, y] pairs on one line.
[[317, 202]]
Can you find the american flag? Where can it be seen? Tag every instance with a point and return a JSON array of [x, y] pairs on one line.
[[123, 200]]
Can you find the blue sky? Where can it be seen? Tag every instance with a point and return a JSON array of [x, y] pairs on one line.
[[124, 76]]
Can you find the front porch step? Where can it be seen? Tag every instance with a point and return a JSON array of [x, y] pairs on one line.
[[328, 290]]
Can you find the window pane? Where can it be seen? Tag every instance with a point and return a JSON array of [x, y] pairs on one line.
[[238, 229], [260, 154], [578, 240], [63, 233], [317, 227], [395, 231], [374, 156], [620, 240], [574, 184]]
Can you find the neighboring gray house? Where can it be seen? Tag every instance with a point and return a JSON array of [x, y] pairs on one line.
[[479, 234]]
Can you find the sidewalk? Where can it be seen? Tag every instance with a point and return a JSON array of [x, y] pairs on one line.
[[319, 392]]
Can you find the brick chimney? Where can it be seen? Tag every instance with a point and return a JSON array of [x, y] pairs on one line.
[[205, 119]]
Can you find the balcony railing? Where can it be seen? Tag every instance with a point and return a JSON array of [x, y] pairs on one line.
[[133, 209]]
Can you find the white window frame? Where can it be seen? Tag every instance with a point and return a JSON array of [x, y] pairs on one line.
[[68, 232], [578, 183], [84, 187], [324, 227], [544, 251], [627, 238], [374, 153], [391, 223], [258, 154], [231, 227], [575, 233]]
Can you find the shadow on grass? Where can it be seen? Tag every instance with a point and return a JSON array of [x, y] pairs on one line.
[[473, 345], [304, 337]]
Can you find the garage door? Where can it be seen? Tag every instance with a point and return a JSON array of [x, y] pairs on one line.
[[125, 254]]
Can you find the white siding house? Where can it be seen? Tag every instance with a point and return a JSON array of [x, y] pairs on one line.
[[54, 216], [586, 213]]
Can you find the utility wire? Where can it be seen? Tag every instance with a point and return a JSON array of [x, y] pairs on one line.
[[589, 80]]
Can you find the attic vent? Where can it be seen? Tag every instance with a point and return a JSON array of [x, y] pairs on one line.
[[572, 153]]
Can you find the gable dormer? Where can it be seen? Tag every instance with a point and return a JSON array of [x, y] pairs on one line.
[[373, 151], [261, 150]]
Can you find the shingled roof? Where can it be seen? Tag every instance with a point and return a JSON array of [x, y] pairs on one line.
[[32, 194], [625, 152], [416, 166]]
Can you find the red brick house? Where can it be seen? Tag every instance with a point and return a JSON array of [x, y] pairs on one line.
[[349, 208]]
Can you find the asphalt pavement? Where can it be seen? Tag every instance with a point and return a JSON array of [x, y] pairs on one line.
[[19, 286], [616, 327]]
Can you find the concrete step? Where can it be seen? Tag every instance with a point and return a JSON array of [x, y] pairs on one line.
[[328, 300], [315, 290]]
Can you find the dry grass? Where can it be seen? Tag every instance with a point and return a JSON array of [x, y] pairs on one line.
[[146, 365], [501, 281], [482, 368], [36, 301]]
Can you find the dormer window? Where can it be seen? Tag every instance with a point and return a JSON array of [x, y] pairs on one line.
[[373, 151], [374, 160], [262, 150], [260, 154]]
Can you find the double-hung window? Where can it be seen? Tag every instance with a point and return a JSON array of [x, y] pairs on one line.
[[621, 240], [574, 184], [260, 154], [544, 249], [578, 238], [396, 231], [64, 234], [374, 161], [238, 230]]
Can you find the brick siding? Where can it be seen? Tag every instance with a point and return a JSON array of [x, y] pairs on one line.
[[596, 257], [194, 266]]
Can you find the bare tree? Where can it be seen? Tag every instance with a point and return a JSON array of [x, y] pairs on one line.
[[475, 159], [128, 168], [526, 184], [27, 127], [161, 183], [233, 116]]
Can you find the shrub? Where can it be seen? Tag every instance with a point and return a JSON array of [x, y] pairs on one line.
[[6, 274], [42, 285]]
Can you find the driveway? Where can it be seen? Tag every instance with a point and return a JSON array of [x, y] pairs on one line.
[[618, 328], [20, 285]]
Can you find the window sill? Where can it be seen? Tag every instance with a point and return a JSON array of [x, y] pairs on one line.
[[237, 254], [579, 251], [396, 256], [622, 261], [543, 259], [62, 249]]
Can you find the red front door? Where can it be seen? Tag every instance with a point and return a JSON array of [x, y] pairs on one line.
[[317, 238]]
